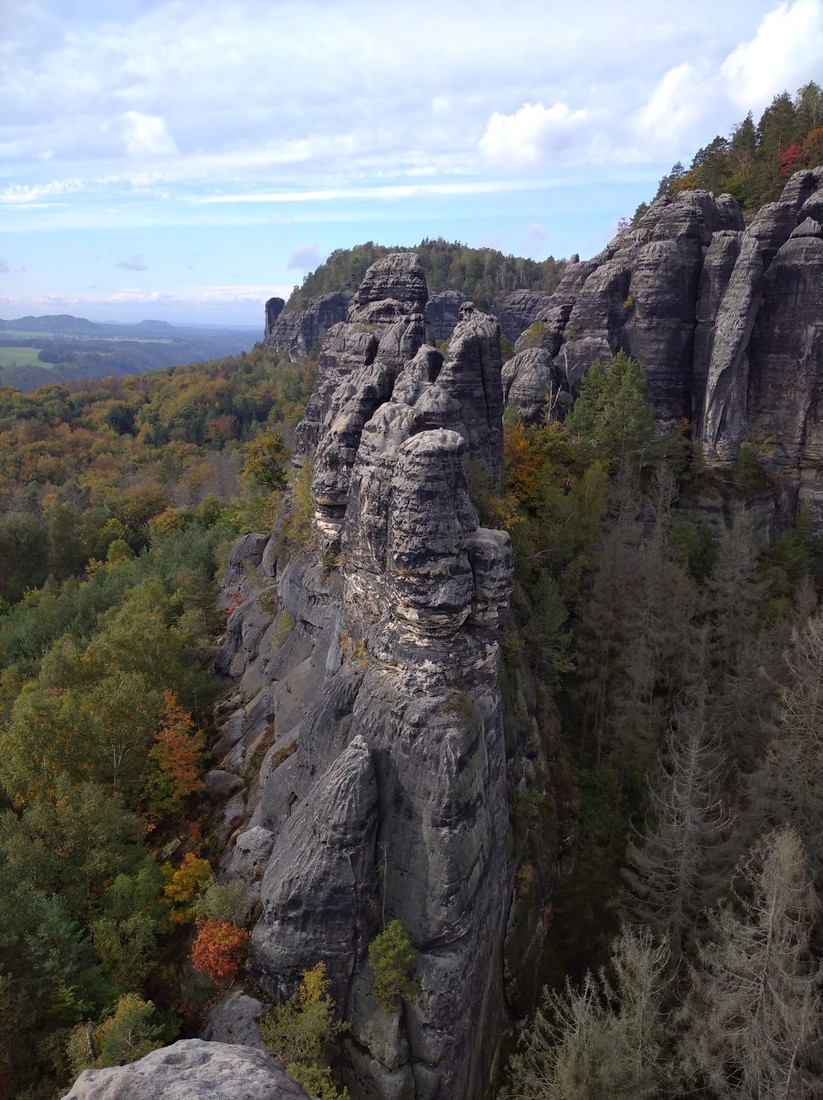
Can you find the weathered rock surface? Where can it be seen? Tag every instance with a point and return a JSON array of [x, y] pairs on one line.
[[531, 383], [297, 333], [236, 1019], [519, 310], [394, 803], [274, 307], [443, 313], [191, 1070], [725, 320]]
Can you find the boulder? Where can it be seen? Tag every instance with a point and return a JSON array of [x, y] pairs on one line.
[[191, 1070]]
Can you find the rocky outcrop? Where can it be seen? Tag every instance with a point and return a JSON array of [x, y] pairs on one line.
[[443, 313], [725, 320], [274, 307], [191, 1070], [299, 332], [393, 804], [532, 383], [519, 310]]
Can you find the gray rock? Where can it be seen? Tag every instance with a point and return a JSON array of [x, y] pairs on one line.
[[244, 561], [220, 784], [235, 1019], [724, 424], [296, 333], [274, 307], [519, 310], [396, 278], [443, 313], [191, 1070], [530, 383], [471, 375], [317, 879]]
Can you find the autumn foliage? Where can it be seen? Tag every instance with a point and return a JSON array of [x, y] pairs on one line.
[[178, 755], [184, 884], [218, 949]]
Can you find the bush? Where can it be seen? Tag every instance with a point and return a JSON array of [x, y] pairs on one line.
[[392, 958]]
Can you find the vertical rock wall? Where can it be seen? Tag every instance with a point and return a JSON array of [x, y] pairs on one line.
[[393, 805], [726, 321]]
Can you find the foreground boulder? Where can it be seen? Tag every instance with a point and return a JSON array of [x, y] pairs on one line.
[[191, 1070]]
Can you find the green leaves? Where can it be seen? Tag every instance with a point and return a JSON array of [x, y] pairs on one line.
[[613, 414], [392, 957]]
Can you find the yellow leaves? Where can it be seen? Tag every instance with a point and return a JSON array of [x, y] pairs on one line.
[[184, 885], [314, 986]]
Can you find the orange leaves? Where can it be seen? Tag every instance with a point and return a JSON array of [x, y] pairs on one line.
[[218, 949], [178, 754], [523, 463]]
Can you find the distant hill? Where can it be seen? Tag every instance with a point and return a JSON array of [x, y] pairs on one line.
[[63, 348]]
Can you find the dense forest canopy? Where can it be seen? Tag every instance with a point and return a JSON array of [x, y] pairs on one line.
[[754, 162], [484, 274]]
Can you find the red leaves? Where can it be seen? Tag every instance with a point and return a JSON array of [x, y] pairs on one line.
[[789, 157], [218, 949]]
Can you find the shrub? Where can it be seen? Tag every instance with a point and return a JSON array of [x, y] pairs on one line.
[[392, 958]]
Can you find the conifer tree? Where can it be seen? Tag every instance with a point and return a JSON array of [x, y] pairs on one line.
[[603, 1040], [676, 869], [753, 1016]]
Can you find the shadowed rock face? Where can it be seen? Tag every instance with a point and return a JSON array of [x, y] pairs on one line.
[[725, 320], [394, 804], [297, 333]]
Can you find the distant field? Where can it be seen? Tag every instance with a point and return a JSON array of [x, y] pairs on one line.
[[23, 357]]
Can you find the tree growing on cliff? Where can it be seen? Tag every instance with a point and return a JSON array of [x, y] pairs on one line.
[[613, 415], [302, 1031], [391, 957]]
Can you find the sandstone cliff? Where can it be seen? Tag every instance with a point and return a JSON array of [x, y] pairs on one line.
[[725, 319], [367, 723]]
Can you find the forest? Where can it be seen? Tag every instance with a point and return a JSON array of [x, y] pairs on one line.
[[675, 663], [678, 664], [753, 163], [485, 274]]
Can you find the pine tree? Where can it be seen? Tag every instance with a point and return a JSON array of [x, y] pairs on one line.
[[675, 870], [753, 1016], [603, 1040]]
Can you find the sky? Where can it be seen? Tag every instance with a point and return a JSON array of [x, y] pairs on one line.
[[185, 162]]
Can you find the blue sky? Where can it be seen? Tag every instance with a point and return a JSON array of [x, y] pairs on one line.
[[181, 161]]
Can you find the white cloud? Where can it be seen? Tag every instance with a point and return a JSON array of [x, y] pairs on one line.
[[4, 267], [536, 235], [786, 51], [305, 257], [134, 263], [676, 111], [532, 135], [146, 135]]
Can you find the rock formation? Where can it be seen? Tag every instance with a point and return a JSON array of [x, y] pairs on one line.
[[726, 321], [300, 332], [376, 716], [191, 1070]]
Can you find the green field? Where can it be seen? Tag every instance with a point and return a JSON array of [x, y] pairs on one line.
[[22, 357]]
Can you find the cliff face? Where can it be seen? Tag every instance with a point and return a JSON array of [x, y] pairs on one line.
[[296, 333], [386, 680], [726, 321]]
